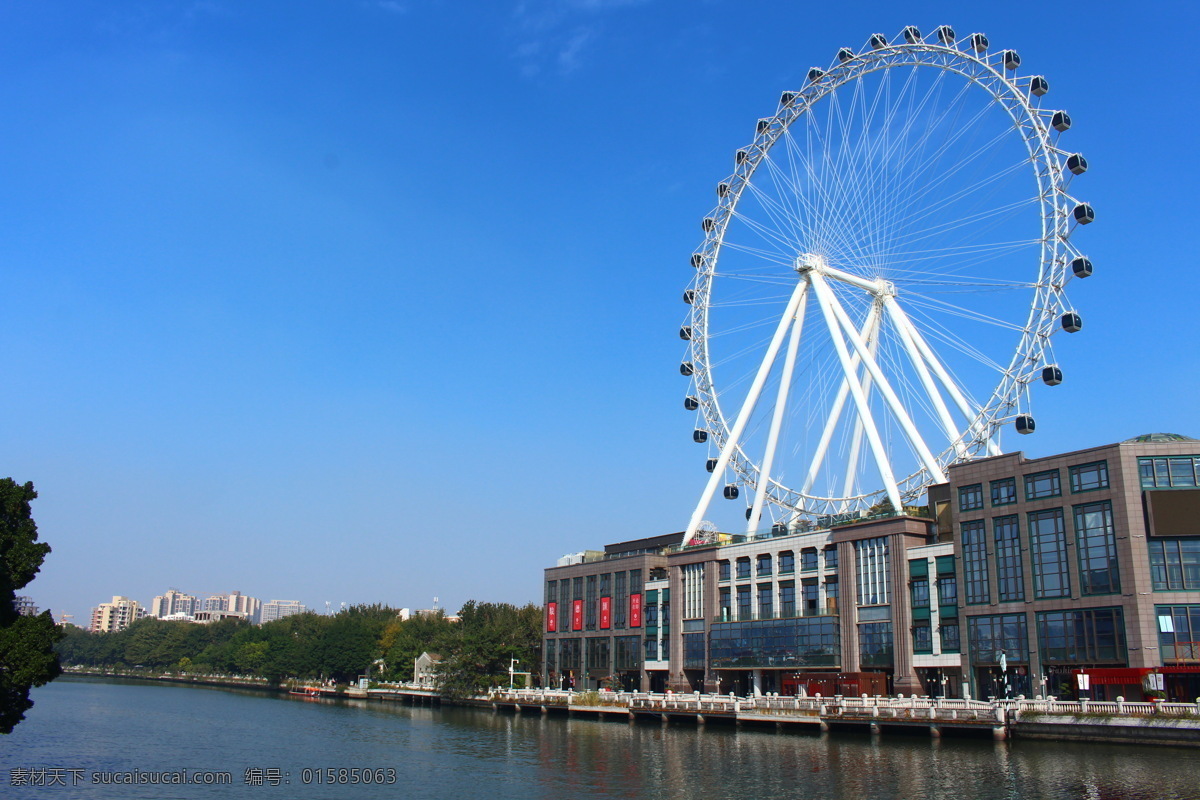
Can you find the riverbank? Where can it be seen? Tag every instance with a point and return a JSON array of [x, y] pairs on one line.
[[1153, 723]]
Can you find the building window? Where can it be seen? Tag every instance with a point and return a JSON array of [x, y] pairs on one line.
[[787, 562], [627, 656], [874, 583], [765, 601], [598, 658], [875, 644], [764, 564], [1096, 544], [1084, 636], [919, 588], [947, 590], [998, 633], [724, 604], [970, 498], [1004, 491], [787, 599], [620, 604], [551, 591], [1089, 477], [831, 595], [1174, 472], [743, 568], [810, 595], [606, 585], [808, 559], [723, 570], [1048, 543], [975, 562], [1179, 634], [743, 602], [693, 590], [922, 639], [784, 643], [652, 649], [1010, 572], [831, 558], [950, 637], [693, 651], [590, 604], [1042, 484], [1175, 564]]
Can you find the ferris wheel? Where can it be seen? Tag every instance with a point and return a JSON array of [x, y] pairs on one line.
[[881, 278]]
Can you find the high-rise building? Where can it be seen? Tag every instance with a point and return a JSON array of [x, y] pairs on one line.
[[174, 603], [278, 609], [117, 615]]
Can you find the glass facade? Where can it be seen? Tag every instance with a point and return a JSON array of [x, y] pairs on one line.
[[1096, 545], [743, 568], [764, 564], [787, 599], [1010, 573], [950, 637], [743, 603], [1175, 472], [765, 601], [1174, 564], [872, 573], [1082, 636], [693, 651], [1048, 545], [970, 498], [787, 562], [808, 559], [875, 644], [975, 561], [1004, 491], [598, 663], [1089, 477], [1179, 633], [627, 653], [786, 643], [1042, 484], [992, 635]]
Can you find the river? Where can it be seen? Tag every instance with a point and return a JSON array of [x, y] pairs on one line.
[[84, 731]]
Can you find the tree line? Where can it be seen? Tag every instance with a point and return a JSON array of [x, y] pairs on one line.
[[475, 651]]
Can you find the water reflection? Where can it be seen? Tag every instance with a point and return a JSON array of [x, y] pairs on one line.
[[454, 753]]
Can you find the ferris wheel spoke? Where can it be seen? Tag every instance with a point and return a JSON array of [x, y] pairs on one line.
[[730, 445], [785, 382]]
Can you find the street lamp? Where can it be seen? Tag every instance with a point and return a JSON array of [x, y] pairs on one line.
[[512, 662]]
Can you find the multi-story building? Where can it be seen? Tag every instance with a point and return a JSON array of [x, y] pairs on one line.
[[1087, 560], [278, 609], [236, 603], [1018, 574], [117, 615], [174, 603], [25, 606]]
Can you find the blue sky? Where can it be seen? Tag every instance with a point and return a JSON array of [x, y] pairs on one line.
[[377, 301]]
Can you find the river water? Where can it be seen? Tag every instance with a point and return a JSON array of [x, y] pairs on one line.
[[86, 730]]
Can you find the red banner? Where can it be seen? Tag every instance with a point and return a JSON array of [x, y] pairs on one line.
[[635, 610], [605, 612], [552, 616], [576, 615]]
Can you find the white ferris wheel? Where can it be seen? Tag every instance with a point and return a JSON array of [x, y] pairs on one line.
[[881, 278]]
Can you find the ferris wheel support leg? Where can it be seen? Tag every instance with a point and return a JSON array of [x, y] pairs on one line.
[[903, 326], [885, 387], [827, 302], [956, 394], [872, 338], [785, 382], [743, 416]]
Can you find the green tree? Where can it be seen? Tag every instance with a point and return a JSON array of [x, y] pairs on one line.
[[485, 639], [27, 656]]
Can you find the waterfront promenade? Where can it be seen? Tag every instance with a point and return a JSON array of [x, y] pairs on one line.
[[1151, 722]]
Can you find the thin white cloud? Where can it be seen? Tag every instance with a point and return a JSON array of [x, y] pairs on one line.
[[559, 33]]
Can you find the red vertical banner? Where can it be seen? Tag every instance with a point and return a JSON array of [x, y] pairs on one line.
[[605, 612], [552, 616], [635, 610], [576, 615]]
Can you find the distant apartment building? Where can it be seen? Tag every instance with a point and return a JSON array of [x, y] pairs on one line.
[[278, 609], [117, 615], [235, 602], [174, 603], [25, 606], [205, 617]]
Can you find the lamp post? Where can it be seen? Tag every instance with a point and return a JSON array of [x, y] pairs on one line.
[[512, 662]]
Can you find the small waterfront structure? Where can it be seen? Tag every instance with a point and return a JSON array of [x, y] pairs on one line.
[[425, 670]]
